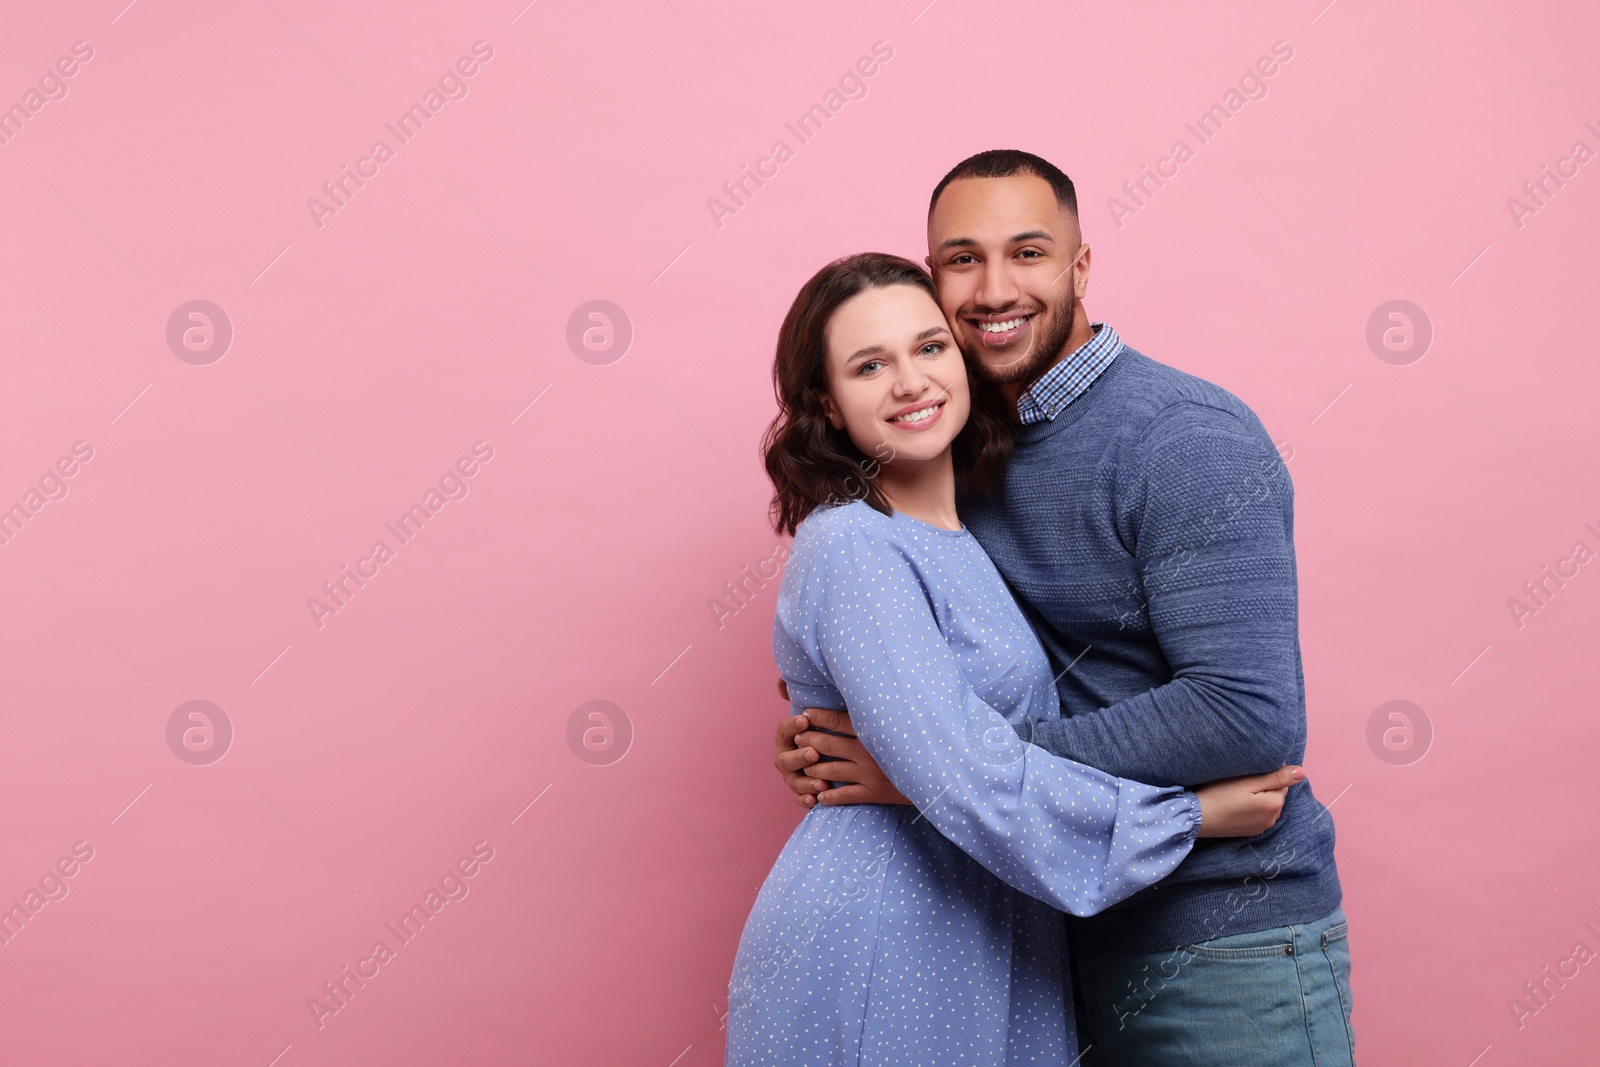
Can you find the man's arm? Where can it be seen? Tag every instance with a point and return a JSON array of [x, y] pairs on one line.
[[1210, 513], [1067, 834], [1234, 807]]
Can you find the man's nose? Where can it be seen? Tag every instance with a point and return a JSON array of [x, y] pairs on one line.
[[997, 289]]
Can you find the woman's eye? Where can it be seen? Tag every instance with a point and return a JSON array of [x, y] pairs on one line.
[[863, 369], [933, 348]]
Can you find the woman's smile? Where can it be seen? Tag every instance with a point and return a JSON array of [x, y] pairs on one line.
[[917, 419]]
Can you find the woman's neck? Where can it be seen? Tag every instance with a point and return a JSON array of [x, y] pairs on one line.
[[924, 490]]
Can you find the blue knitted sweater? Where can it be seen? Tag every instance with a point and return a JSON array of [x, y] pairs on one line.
[[1148, 532]]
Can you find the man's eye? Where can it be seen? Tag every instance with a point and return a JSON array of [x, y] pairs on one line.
[[961, 260], [1030, 252]]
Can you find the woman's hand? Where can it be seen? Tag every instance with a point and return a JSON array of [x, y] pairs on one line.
[[1244, 807]]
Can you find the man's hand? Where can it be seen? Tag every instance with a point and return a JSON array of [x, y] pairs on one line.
[[1246, 806], [800, 749]]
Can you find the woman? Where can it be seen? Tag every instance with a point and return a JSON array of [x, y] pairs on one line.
[[929, 934]]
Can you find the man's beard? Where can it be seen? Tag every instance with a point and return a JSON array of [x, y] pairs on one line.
[[1042, 355]]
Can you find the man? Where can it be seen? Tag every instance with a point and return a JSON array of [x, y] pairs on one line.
[[1146, 527]]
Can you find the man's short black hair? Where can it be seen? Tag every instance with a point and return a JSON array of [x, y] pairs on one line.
[[1005, 163]]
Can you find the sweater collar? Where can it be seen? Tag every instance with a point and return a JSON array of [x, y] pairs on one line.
[[1066, 381], [1032, 433]]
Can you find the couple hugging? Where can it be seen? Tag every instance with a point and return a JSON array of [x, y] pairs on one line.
[[1038, 631]]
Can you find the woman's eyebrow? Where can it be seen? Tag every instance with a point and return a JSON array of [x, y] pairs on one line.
[[878, 350]]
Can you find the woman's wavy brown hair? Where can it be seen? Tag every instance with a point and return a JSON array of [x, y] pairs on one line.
[[811, 463]]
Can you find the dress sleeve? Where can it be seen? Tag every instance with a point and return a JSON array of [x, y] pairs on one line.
[[1072, 836]]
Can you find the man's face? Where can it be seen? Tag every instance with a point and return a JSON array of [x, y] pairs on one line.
[[1011, 267]]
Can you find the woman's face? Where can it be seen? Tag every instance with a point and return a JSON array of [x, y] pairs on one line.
[[896, 382]]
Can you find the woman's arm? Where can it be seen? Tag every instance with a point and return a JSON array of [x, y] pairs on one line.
[[848, 774], [1070, 835], [1232, 807]]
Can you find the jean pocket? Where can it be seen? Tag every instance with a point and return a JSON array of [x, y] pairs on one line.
[[1206, 952], [1258, 945], [1336, 950]]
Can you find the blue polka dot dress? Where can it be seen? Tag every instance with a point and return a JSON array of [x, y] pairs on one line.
[[890, 935]]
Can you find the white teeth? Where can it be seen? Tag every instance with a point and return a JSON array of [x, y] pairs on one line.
[[916, 416], [1001, 327]]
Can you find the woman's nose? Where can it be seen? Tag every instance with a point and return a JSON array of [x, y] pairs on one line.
[[910, 380]]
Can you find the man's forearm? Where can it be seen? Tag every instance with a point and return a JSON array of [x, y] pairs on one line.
[[1186, 732]]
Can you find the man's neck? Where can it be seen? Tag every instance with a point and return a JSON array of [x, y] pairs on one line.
[[1079, 336]]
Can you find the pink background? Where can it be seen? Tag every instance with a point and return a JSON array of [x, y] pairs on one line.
[[432, 711]]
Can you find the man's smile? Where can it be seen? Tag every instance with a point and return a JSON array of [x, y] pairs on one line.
[[999, 331]]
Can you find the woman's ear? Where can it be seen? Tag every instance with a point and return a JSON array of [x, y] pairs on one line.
[[831, 410]]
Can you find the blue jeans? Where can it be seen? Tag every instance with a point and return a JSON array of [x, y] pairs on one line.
[[1274, 998]]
